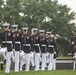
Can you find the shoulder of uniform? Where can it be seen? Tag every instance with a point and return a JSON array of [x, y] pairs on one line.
[[19, 32], [32, 35], [10, 31]]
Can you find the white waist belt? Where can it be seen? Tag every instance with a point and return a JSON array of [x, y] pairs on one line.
[[26, 45], [36, 44], [50, 46], [7, 42], [17, 42], [43, 45]]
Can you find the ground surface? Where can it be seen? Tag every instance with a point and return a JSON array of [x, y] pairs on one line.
[[57, 72]]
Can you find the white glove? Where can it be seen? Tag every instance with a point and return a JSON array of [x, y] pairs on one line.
[[31, 54], [72, 42], [13, 50], [21, 50], [22, 53], [54, 52], [5, 57], [74, 57], [47, 53], [4, 50], [39, 54]]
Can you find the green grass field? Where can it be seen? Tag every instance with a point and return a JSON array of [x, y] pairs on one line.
[[57, 72], [64, 57]]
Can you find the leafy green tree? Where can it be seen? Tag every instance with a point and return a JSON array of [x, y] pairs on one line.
[[11, 11], [1, 6], [36, 13], [44, 14]]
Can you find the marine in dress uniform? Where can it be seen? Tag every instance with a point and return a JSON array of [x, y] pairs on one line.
[[73, 44], [35, 47], [16, 45], [50, 49], [55, 52], [7, 45], [43, 48], [26, 47]]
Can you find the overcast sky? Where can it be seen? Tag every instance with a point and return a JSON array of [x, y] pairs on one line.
[[70, 3]]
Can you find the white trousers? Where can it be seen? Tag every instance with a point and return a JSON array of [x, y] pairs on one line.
[[74, 63], [13, 57], [50, 66], [16, 61], [27, 59], [37, 61], [43, 61], [8, 61], [22, 61], [32, 59], [54, 64]]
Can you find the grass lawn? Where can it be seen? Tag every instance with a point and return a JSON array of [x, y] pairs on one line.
[[64, 58], [57, 72]]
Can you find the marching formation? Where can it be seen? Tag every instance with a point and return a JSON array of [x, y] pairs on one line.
[[36, 51]]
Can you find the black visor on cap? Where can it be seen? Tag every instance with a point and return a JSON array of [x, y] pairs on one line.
[[5, 26], [41, 32], [34, 30], [14, 27], [48, 33], [25, 30]]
